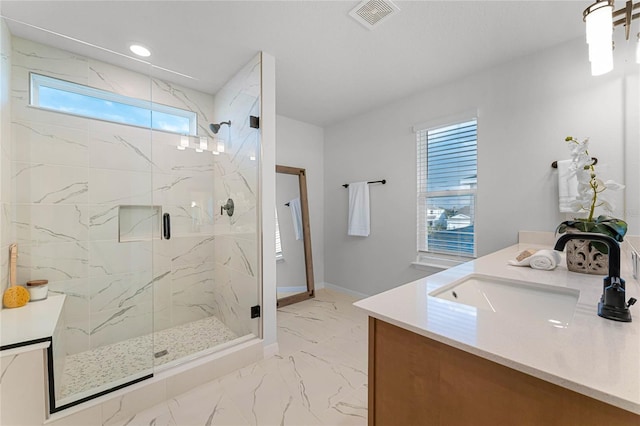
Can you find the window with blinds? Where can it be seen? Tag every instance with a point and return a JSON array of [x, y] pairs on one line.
[[447, 183]]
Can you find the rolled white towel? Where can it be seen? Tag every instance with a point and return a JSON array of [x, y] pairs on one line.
[[545, 260]]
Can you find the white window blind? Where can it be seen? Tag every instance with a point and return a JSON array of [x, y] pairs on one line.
[[447, 182]]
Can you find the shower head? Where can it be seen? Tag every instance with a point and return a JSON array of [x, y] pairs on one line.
[[215, 128]]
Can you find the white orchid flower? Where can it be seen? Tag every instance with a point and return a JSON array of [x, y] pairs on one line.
[[576, 205], [606, 205], [590, 187], [598, 185], [614, 186]]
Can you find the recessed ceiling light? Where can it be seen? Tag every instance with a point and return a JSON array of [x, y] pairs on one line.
[[140, 50]]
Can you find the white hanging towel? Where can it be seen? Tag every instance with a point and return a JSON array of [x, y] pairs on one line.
[[567, 186], [359, 214], [296, 217]]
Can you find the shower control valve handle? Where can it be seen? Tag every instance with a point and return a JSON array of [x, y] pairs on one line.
[[228, 207]]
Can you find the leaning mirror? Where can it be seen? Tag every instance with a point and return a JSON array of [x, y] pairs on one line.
[[294, 268]]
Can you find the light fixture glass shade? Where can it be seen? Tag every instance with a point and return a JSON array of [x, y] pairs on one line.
[[184, 143], [220, 145], [599, 22], [601, 57], [601, 67], [203, 143]]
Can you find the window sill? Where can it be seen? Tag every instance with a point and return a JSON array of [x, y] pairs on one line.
[[430, 260], [421, 266]]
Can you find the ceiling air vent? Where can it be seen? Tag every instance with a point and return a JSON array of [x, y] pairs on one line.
[[372, 13]]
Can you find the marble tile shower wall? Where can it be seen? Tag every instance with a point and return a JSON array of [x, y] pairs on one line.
[[236, 176], [6, 236], [70, 175]]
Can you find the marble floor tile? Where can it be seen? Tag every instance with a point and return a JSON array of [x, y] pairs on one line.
[[159, 415], [319, 377], [206, 405], [350, 411]]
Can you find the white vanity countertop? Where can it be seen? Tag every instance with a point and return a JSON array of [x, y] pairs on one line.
[[594, 356], [32, 322]]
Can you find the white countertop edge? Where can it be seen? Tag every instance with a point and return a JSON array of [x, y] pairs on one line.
[[34, 321], [23, 349], [584, 390]]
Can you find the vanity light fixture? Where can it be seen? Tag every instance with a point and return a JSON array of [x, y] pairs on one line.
[[140, 50], [600, 19], [220, 145], [184, 143], [203, 144]]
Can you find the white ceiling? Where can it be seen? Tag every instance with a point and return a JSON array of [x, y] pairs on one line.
[[328, 66]]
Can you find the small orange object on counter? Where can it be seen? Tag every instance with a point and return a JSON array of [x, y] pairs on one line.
[[15, 296]]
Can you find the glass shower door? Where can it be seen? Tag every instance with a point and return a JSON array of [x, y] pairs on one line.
[[208, 270], [83, 212]]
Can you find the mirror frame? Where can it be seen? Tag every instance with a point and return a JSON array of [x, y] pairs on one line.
[[306, 232]]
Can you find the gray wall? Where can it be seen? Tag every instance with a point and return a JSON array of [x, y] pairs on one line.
[[525, 110], [301, 145]]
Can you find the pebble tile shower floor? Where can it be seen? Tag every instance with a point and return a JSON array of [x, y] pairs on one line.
[[319, 377], [112, 363]]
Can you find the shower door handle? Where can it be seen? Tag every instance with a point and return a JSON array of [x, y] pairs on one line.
[[166, 226]]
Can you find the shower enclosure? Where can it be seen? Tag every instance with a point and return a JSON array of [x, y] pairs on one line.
[[117, 184]]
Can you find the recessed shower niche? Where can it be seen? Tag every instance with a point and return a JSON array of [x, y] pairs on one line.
[[139, 223]]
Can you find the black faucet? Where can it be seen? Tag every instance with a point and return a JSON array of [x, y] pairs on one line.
[[612, 303]]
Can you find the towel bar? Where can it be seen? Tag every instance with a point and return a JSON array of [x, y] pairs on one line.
[[383, 181], [555, 163]]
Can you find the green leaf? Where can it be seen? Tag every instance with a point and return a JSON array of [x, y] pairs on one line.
[[601, 247], [613, 227]]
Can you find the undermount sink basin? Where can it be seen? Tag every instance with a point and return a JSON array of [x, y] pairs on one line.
[[519, 299]]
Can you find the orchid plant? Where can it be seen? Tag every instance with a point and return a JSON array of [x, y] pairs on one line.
[[591, 196]]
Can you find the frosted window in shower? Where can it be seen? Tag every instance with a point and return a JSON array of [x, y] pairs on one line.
[[71, 98]]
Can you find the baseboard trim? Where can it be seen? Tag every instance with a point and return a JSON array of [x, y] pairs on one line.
[[344, 290], [270, 350]]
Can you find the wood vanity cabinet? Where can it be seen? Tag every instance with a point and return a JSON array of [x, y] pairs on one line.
[[414, 380]]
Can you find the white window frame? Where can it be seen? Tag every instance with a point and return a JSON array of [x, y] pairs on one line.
[[430, 258], [39, 80]]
